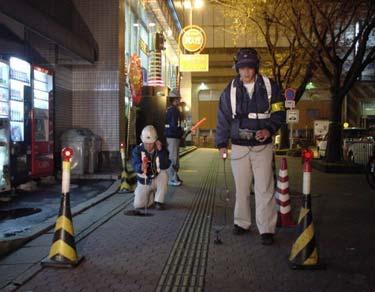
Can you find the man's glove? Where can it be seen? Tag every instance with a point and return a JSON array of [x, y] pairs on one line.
[[145, 164]]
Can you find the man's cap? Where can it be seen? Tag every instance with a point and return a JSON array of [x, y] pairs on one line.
[[247, 57], [174, 93]]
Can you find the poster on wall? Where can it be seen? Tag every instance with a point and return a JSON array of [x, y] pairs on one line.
[[135, 79]]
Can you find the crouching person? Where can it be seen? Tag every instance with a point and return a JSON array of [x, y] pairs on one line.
[[150, 162]]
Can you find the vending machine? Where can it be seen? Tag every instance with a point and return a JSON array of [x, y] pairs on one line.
[[42, 163], [20, 92], [4, 127]]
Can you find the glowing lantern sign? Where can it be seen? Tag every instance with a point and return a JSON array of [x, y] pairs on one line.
[[193, 39], [135, 79]]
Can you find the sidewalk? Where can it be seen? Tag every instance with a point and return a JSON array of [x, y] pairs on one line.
[[174, 249], [90, 200]]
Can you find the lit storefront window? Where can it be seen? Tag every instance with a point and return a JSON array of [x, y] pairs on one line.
[[137, 35]]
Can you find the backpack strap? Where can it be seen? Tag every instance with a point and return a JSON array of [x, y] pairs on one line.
[[233, 94], [267, 83]]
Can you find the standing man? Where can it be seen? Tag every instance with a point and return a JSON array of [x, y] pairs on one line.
[[251, 110], [150, 162], [173, 132]]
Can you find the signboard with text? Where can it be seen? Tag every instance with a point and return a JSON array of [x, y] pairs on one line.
[[292, 116], [194, 63], [193, 39], [290, 104]]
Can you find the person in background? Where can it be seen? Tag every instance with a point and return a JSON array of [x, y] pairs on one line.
[[150, 162], [173, 132]]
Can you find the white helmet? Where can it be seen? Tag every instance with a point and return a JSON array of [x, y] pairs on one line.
[[149, 134]]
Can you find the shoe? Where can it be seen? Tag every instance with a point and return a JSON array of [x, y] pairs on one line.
[[180, 180], [237, 230], [267, 238], [159, 206], [174, 183]]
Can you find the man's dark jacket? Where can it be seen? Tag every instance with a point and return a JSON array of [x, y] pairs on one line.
[[228, 127]]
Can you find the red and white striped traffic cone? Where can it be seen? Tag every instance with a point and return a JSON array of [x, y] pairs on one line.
[[282, 197]]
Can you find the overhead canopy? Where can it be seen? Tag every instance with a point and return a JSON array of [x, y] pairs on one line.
[[58, 21], [12, 45], [363, 90]]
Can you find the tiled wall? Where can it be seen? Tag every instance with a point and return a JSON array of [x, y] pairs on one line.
[[63, 101], [96, 93]]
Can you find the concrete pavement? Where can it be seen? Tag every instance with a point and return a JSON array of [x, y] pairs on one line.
[[175, 250]]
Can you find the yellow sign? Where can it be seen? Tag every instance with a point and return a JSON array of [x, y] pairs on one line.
[[193, 39], [143, 46], [194, 63]]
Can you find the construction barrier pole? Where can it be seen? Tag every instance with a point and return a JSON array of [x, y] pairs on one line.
[[128, 178], [304, 253], [63, 253]]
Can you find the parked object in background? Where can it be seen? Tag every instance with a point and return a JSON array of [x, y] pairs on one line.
[[29, 186], [370, 170], [321, 128], [86, 146], [359, 152], [349, 136]]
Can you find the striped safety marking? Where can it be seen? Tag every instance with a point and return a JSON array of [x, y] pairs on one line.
[[304, 250], [66, 165], [61, 248], [63, 238], [283, 173], [283, 203], [285, 210], [64, 223], [283, 197], [125, 174], [283, 191], [126, 186]]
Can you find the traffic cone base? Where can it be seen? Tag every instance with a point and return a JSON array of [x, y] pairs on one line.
[[63, 252], [304, 254], [128, 178], [128, 182], [129, 175], [61, 262], [125, 187]]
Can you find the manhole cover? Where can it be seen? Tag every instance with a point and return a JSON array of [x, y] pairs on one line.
[[16, 213]]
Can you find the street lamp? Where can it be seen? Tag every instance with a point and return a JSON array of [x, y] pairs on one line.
[[198, 4], [188, 4]]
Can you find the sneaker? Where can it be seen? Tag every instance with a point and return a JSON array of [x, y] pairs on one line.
[[159, 206], [267, 238], [180, 180], [237, 230], [174, 183], [153, 206]]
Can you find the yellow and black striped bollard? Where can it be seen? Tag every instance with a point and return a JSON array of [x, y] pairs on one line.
[[304, 254], [63, 253], [128, 178]]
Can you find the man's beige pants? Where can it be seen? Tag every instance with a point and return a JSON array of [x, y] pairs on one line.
[[258, 163], [143, 194]]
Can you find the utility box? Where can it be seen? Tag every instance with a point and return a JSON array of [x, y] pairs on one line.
[[95, 146], [79, 142]]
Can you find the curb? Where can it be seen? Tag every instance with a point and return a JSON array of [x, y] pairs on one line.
[[185, 152], [7, 246], [337, 167]]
